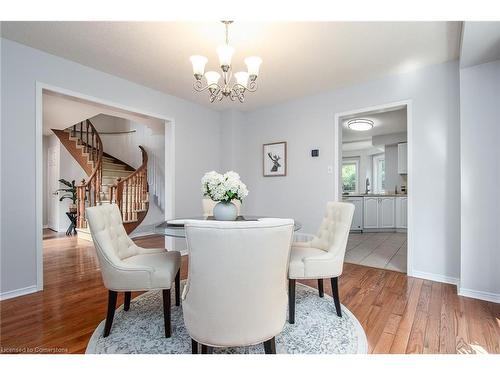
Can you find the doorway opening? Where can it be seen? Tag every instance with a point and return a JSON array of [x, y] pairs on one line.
[[135, 147], [374, 174]]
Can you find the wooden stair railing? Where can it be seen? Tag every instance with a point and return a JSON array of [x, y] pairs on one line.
[[131, 195], [89, 192]]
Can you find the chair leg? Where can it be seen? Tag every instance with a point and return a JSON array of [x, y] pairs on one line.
[[335, 295], [320, 288], [205, 349], [270, 346], [291, 301], [166, 312], [111, 312], [178, 288], [126, 305], [194, 347]]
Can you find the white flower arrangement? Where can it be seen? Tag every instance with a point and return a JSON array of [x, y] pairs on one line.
[[223, 187]]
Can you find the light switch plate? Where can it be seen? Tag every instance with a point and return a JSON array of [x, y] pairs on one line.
[[330, 169]]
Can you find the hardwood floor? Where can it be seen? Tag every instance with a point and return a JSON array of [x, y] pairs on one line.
[[400, 314]]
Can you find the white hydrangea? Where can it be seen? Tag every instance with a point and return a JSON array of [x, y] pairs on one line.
[[224, 187]]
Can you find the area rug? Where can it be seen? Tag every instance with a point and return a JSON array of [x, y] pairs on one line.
[[317, 330]]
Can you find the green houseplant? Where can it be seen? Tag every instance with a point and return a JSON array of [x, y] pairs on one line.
[[70, 193]]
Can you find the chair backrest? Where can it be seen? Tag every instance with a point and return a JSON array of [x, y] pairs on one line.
[[208, 206], [111, 241], [334, 230], [236, 293]]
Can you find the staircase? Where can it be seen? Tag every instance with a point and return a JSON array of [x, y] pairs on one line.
[[110, 180]]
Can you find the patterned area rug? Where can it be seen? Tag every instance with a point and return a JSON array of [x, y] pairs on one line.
[[317, 329]]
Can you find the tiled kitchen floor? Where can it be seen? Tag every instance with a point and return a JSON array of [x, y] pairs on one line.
[[381, 250]]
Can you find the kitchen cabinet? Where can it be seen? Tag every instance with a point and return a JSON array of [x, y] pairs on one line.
[[403, 158], [379, 212], [401, 212], [357, 219], [370, 213], [386, 213]]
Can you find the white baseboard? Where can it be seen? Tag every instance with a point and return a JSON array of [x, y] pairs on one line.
[[434, 277], [18, 292], [477, 294]]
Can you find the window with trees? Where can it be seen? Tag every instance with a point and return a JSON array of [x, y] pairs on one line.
[[350, 176]]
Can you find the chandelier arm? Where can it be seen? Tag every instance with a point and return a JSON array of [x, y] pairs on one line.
[[198, 86], [252, 86]]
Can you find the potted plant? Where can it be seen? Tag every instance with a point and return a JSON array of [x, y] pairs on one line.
[[70, 193], [224, 188]]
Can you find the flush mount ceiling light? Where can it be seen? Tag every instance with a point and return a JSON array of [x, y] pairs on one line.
[[245, 81], [360, 124]]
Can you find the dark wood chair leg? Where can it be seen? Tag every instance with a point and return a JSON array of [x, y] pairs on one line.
[[291, 301], [205, 349], [126, 305], [178, 288], [335, 294], [320, 288], [270, 346], [166, 312], [111, 312], [194, 346]]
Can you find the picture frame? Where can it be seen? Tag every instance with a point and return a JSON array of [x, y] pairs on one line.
[[274, 159]]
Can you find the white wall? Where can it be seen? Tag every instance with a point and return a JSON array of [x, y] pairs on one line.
[[308, 123], [197, 140], [480, 179]]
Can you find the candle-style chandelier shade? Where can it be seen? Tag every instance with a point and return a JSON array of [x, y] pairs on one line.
[[228, 88]]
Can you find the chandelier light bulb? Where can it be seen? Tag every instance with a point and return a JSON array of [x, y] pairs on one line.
[[225, 53], [212, 78], [199, 63], [253, 65], [241, 78]]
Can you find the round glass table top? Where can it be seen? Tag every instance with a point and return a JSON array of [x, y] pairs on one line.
[[175, 228]]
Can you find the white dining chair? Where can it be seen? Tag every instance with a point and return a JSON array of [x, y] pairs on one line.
[[126, 267], [236, 293], [323, 256], [208, 206]]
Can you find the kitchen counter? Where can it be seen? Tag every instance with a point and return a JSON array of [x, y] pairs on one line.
[[373, 195]]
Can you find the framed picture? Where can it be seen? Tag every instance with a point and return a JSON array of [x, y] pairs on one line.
[[274, 159]]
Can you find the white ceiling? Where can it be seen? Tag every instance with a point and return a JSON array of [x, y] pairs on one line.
[[300, 58], [390, 122], [61, 112], [480, 43]]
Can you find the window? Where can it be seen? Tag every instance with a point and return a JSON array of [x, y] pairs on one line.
[[379, 173], [350, 176]]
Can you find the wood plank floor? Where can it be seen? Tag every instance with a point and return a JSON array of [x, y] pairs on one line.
[[400, 314]]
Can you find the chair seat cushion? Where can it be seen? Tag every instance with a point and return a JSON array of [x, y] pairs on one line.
[[164, 264], [299, 269]]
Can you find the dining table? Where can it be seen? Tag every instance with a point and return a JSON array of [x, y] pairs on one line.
[[175, 227]]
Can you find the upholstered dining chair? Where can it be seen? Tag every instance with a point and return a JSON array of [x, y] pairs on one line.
[[126, 267], [208, 206], [236, 293], [323, 256]]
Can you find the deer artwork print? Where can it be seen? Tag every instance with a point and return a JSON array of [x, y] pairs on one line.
[[275, 161]]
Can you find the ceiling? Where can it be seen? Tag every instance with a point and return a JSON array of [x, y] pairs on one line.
[[389, 122], [300, 58], [62, 111], [480, 43]]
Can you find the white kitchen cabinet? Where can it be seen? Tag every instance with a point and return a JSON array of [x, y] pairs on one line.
[[403, 158], [386, 212], [401, 212], [379, 212], [370, 213], [357, 219]]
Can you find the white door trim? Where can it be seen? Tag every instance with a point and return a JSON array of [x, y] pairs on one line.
[[169, 162], [337, 162]]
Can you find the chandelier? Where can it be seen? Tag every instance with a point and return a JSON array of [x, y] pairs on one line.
[[245, 81]]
